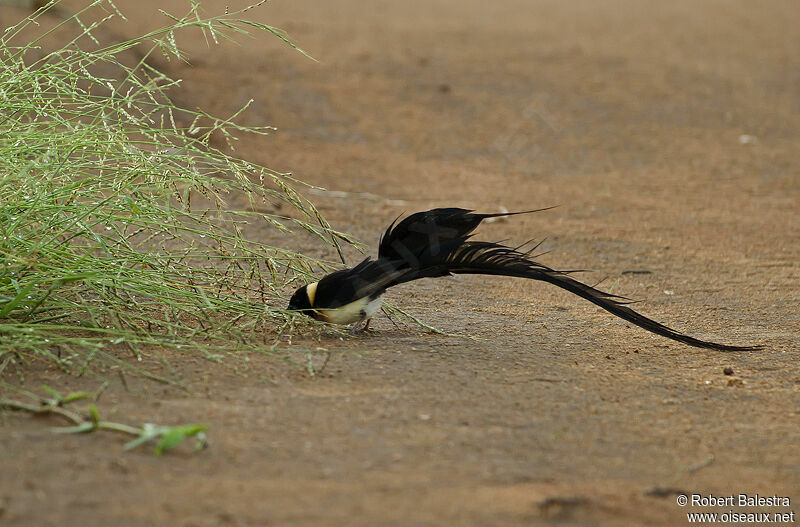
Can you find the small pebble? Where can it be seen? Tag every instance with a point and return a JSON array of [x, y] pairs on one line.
[[728, 371]]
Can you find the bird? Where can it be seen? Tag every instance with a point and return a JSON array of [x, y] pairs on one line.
[[439, 242]]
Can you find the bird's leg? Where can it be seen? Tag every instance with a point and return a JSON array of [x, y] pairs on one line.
[[356, 329]]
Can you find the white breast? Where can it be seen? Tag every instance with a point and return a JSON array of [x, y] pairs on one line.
[[360, 309]]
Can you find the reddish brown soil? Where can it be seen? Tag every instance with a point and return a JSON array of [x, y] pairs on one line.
[[669, 135]]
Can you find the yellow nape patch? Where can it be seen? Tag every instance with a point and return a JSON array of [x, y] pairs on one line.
[[311, 292]]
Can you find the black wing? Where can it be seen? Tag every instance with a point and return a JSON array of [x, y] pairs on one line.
[[462, 256], [370, 278], [430, 229]]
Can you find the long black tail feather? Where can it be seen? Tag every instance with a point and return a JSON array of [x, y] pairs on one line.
[[623, 311], [461, 256]]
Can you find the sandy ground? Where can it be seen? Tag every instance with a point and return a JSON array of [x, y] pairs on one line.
[[667, 132]]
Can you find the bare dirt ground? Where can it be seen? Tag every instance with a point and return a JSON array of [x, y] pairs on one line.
[[667, 132]]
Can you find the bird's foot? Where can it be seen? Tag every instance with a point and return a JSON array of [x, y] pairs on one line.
[[356, 329]]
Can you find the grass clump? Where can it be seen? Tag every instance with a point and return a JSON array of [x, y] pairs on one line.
[[113, 229]]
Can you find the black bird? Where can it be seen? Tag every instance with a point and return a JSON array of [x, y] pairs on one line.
[[439, 242]]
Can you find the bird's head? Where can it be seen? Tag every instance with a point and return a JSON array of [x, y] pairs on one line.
[[299, 300], [302, 299]]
